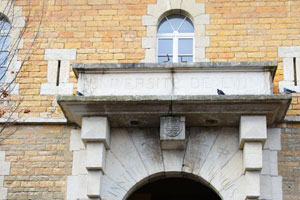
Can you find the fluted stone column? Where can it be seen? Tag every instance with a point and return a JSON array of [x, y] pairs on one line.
[[96, 136]]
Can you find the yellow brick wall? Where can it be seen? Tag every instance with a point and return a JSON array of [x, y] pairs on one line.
[[40, 161], [110, 31]]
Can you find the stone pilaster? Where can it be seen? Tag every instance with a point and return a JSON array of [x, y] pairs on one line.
[[253, 135], [95, 133]]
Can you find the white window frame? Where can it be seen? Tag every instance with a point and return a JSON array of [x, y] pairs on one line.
[[175, 36]]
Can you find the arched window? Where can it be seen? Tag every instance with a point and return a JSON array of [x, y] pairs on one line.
[[175, 39], [5, 27]]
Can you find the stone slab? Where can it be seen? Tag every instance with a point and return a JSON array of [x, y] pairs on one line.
[[253, 129], [60, 54], [52, 71], [79, 163], [95, 129], [253, 184], [118, 173], [126, 152], [273, 141], [173, 160], [48, 89], [225, 146], [64, 71], [147, 143], [66, 89], [76, 187], [199, 143], [4, 168]]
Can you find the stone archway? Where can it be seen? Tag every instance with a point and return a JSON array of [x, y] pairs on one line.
[[176, 188]]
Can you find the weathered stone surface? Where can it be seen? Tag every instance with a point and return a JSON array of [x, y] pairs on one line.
[[273, 141], [172, 133], [110, 190], [65, 88], [123, 148], [95, 129], [253, 129], [48, 89], [225, 146], [173, 160], [229, 173], [77, 187], [64, 71], [52, 71], [4, 168], [199, 143], [76, 143], [117, 173], [252, 184], [147, 143], [252, 156], [79, 163]]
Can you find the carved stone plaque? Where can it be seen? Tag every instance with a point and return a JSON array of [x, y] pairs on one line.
[[172, 132]]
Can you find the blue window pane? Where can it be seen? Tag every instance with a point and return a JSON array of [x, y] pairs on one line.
[[175, 21], [165, 46], [185, 46], [2, 74], [4, 25], [4, 42], [165, 59], [3, 58], [164, 27], [184, 59], [187, 27]]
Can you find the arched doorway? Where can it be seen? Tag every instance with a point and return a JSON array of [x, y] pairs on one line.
[[175, 189]]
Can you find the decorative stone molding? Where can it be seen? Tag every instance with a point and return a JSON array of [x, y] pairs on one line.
[[17, 20], [291, 68], [4, 170], [196, 11], [58, 62]]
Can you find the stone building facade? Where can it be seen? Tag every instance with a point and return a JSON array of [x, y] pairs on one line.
[[140, 120]]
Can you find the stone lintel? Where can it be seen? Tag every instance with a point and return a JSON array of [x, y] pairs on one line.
[[253, 129], [252, 156], [172, 133], [96, 129]]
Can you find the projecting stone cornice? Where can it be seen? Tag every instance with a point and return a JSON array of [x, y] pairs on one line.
[[145, 111]]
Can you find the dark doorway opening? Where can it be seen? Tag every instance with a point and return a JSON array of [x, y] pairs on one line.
[[174, 189]]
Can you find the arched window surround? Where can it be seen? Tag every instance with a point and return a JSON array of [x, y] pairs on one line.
[[155, 12]]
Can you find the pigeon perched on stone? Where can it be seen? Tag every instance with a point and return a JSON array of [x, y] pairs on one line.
[[79, 94], [220, 92], [288, 91]]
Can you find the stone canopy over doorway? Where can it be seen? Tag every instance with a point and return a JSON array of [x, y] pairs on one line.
[[119, 147]]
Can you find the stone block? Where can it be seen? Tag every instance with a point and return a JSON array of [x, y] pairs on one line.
[[202, 42], [289, 52], [2, 156], [76, 143], [266, 187], [66, 88], [288, 69], [148, 42], [252, 156], [175, 4], [52, 71], [4, 168], [173, 160], [193, 7], [79, 162], [172, 132], [60, 54], [202, 19], [3, 193], [273, 141], [158, 9], [94, 183], [48, 89], [64, 71], [288, 84], [149, 20], [253, 129], [253, 184], [95, 129], [76, 187], [96, 152], [277, 188], [1, 180]]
